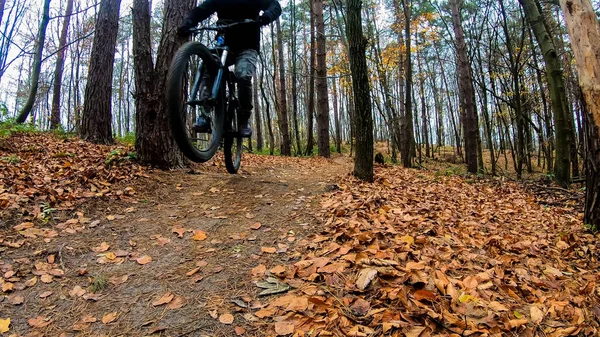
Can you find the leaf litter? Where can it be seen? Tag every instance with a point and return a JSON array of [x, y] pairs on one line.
[[416, 254]]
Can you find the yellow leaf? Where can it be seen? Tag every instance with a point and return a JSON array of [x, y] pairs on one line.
[[110, 255], [4, 323], [464, 298], [408, 239], [199, 235]]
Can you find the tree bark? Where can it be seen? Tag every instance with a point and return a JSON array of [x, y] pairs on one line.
[[321, 83], [407, 129], [60, 63], [37, 64], [584, 31], [554, 76], [294, 55], [154, 142], [363, 119], [311, 86], [96, 125], [286, 144], [466, 91]]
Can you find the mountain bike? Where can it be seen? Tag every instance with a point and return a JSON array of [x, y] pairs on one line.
[[187, 100]]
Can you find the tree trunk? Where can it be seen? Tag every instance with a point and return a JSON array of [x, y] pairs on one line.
[[96, 125], [37, 64], [321, 83], [286, 144], [295, 79], [336, 116], [311, 86], [257, 119], [408, 133], [154, 142], [466, 91], [554, 76], [363, 119], [58, 72], [584, 31]]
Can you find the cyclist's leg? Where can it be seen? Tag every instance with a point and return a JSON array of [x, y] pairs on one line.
[[245, 67]]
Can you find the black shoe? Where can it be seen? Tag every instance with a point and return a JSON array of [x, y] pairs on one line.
[[244, 125], [202, 124]]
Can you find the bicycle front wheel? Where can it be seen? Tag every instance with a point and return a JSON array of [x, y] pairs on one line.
[[187, 104]]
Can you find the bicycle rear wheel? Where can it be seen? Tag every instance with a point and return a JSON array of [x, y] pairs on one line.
[[185, 105]]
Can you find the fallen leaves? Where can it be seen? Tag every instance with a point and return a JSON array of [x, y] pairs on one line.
[[144, 259], [164, 299], [284, 328], [199, 235], [15, 299], [444, 256], [226, 318], [4, 325], [365, 277], [268, 250], [77, 291], [62, 172], [259, 270], [110, 317], [39, 322]]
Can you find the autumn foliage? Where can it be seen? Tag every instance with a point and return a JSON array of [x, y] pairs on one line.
[[418, 254]]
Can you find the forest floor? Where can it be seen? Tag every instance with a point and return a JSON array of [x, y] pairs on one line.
[[92, 244]]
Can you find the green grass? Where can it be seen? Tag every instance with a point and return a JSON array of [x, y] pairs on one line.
[[10, 126], [127, 139]]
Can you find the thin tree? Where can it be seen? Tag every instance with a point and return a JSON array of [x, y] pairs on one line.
[[466, 91], [96, 125], [321, 83], [311, 85], [37, 64], [363, 119], [60, 63], [286, 146], [556, 86]]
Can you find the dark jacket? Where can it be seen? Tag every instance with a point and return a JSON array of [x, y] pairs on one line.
[[243, 36]]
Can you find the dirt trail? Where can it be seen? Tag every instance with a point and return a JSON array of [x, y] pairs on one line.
[[281, 195]]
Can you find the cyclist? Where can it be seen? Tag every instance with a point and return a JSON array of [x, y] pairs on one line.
[[243, 42]]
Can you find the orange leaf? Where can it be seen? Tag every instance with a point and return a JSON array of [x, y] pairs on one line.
[[39, 322], [256, 225], [424, 295], [144, 259], [270, 250], [164, 299], [239, 330], [176, 303], [110, 317], [259, 270], [102, 248], [226, 318], [284, 328], [199, 235]]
